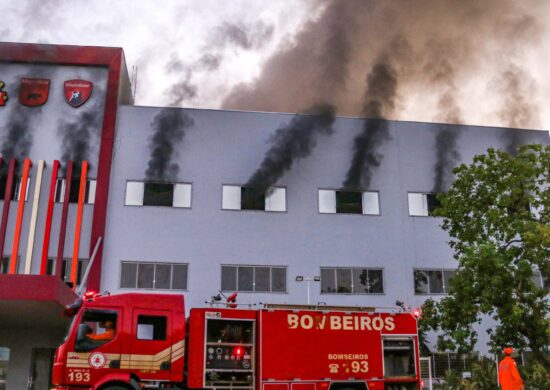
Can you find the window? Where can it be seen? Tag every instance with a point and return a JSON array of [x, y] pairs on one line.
[[66, 267], [432, 281], [156, 276], [98, 327], [352, 280], [540, 281], [249, 198], [151, 328], [5, 264], [89, 196], [349, 202], [16, 190], [253, 278], [140, 193], [422, 205], [399, 357]]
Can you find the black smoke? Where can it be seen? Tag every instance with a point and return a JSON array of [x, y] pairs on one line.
[[246, 37], [447, 157], [80, 133], [290, 142], [168, 128], [18, 139], [379, 102]]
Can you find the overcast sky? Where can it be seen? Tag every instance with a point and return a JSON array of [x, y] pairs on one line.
[[194, 53]]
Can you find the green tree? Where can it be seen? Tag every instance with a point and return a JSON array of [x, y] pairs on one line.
[[497, 214]]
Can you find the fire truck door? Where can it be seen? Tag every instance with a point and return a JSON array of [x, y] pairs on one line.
[[151, 350]]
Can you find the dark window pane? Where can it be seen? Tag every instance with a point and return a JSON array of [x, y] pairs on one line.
[[179, 277], [5, 266], [229, 278], [278, 279], [50, 266], [151, 328], [376, 281], [420, 282], [343, 280], [447, 279], [245, 278], [3, 185], [328, 280], [252, 198], [162, 276], [158, 194], [436, 282], [433, 203], [349, 202], [145, 275], [262, 279], [360, 281], [128, 275], [58, 189], [75, 190]]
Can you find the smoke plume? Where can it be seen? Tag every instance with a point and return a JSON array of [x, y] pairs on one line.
[[243, 36], [79, 134], [478, 35], [291, 142], [379, 102], [516, 88], [18, 139], [168, 128]]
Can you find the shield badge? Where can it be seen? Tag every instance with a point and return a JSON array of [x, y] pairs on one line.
[[34, 92], [77, 92]]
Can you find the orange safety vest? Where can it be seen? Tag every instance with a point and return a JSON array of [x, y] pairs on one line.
[[107, 335], [508, 375]]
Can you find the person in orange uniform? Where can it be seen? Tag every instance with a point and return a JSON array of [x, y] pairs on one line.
[[109, 333], [508, 375]]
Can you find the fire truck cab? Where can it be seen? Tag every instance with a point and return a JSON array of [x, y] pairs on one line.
[[277, 347]]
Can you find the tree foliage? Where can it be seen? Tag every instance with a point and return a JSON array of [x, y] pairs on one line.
[[497, 214]]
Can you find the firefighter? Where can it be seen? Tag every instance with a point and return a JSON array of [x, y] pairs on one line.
[[508, 375], [109, 333]]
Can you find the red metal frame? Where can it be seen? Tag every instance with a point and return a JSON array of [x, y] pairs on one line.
[[6, 208], [49, 217], [20, 211], [78, 226], [64, 216], [113, 59]]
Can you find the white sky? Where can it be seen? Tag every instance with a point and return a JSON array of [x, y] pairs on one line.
[[156, 33]]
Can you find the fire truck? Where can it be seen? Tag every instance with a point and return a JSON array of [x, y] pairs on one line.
[[144, 341]]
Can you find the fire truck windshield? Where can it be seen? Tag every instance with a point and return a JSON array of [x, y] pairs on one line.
[[96, 328]]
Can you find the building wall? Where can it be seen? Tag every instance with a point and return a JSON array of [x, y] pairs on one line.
[[224, 147]]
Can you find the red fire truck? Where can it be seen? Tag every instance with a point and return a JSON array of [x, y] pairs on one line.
[[137, 341]]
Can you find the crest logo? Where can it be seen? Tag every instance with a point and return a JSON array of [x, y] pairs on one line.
[[97, 360], [3, 94], [34, 92], [77, 92]]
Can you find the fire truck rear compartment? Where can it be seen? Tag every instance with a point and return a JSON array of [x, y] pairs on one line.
[[229, 355]]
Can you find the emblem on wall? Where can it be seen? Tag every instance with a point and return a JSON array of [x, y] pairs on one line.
[[34, 92], [3, 94], [97, 360], [77, 92]]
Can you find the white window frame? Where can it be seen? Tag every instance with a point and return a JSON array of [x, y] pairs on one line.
[[328, 204], [418, 204], [275, 201], [90, 183], [135, 192]]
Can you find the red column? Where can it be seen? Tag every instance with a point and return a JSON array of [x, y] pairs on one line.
[[19, 221], [49, 217], [64, 215], [78, 226], [6, 208]]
